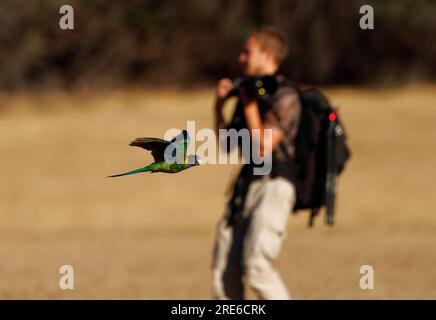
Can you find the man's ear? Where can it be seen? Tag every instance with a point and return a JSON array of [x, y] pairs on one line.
[[271, 55]]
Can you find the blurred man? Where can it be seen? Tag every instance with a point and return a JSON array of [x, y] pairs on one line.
[[251, 233]]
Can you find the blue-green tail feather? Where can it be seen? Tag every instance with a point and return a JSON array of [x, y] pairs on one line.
[[145, 169]]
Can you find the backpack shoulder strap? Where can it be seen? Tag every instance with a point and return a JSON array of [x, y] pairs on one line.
[[282, 83], [286, 82]]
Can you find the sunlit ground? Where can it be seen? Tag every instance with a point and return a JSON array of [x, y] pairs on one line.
[[150, 236]]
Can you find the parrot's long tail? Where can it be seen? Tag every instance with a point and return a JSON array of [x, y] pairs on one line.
[[145, 169]]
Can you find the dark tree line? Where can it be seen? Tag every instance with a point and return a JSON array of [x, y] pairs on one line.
[[196, 41]]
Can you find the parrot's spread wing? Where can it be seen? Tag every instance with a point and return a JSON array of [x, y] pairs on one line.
[[158, 146], [155, 145]]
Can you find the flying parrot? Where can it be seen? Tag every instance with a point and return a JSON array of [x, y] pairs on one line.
[[175, 149]]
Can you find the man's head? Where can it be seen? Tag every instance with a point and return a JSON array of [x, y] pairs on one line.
[[264, 51]]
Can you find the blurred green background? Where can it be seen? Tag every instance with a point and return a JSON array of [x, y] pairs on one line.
[[194, 42]]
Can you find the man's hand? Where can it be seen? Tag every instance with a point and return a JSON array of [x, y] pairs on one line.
[[223, 89]]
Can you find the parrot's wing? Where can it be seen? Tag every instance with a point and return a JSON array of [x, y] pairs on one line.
[[155, 145], [158, 146]]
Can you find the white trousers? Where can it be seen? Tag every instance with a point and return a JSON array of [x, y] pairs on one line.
[[248, 248]]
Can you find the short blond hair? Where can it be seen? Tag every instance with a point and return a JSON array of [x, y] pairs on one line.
[[272, 38]]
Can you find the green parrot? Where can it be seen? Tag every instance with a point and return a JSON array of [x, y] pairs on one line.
[[158, 148]]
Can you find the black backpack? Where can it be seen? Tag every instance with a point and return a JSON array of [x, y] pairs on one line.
[[321, 154]]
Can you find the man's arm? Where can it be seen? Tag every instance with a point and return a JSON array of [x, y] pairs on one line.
[[284, 114], [252, 116]]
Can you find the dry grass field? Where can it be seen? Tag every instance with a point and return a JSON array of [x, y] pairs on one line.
[[151, 236]]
